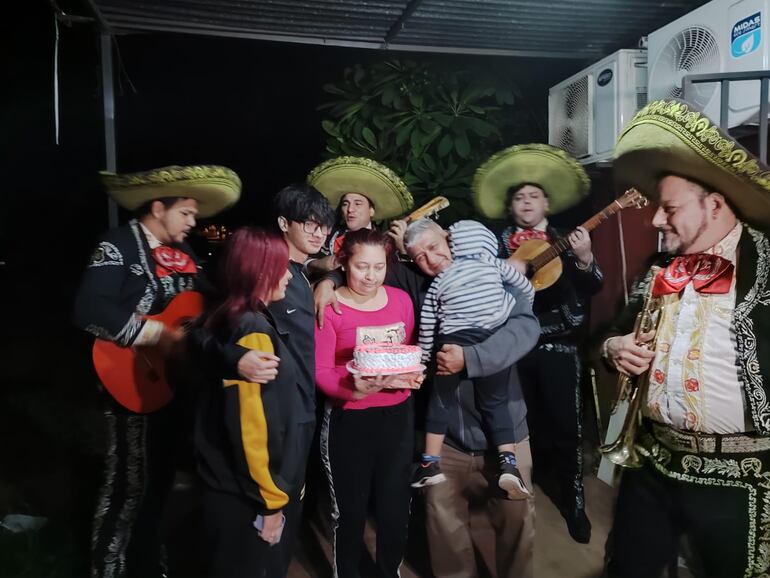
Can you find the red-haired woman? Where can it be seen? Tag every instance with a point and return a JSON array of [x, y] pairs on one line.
[[246, 434], [367, 432]]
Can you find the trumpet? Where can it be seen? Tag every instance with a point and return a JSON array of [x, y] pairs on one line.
[[622, 451]]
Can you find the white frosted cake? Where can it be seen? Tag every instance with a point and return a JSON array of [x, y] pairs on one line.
[[387, 358]]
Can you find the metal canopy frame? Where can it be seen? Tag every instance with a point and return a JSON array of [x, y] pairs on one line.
[[724, 79], [514, 28]]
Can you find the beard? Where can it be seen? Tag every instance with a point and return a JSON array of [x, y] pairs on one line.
[[676, 245]]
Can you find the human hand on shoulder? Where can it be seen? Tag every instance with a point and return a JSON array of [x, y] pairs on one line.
[[324, 295]]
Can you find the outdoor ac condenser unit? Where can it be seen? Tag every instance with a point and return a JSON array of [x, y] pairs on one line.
[[721, 36], [587, 110]]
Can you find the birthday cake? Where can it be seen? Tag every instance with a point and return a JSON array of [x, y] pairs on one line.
[[391, 358]]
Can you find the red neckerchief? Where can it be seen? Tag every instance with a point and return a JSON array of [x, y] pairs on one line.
[[708, 273], [169, 260], [338, 244], [515, 239]]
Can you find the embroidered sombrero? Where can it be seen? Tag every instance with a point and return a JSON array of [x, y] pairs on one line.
[[672, 137], [562, 178], [337, 177], [214, 187]]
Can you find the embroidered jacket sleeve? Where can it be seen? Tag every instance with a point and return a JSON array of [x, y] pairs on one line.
[[256, 424], [588, 281], [100, 308]]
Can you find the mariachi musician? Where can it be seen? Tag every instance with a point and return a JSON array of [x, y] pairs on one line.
[[363, 191], [135, 271], [704, 437], [525, 183]]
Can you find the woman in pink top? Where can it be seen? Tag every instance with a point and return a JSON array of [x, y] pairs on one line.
[[367, 432]]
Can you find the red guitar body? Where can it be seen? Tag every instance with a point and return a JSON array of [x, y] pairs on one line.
[[136, 377]]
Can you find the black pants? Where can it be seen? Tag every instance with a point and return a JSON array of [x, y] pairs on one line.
[[652, 512], [550, 376], [234, 545], [139, 473], [491, 395], [368, 455]]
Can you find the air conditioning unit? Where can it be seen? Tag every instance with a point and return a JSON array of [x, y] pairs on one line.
[[587, 111], [721, 36]]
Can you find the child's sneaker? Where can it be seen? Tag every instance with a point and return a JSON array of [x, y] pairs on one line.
[[427, 474], [510, 479]]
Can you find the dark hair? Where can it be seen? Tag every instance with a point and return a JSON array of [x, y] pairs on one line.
[[364, 237], [339, 217], [253, 265], [146, 208], [511, 192], [301, 202]]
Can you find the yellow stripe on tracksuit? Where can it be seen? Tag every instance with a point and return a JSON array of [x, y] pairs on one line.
[[254, 427]]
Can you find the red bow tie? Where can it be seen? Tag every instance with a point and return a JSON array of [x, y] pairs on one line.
[[708, 273], [515, 239], [169, 261]]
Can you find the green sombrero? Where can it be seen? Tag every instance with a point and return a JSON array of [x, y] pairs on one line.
[[671, 137], [214, 187], [337, 177], [562, 178]]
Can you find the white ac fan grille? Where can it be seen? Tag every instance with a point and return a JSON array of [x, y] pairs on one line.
[[693, 50], [571, 116]]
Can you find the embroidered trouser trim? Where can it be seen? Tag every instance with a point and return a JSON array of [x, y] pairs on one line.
[[139, 471], [719, 500], [551, 381]]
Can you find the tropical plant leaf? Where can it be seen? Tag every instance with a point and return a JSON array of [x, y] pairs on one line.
[[462, 146], [445, 145], [330, 128], [369, 136]]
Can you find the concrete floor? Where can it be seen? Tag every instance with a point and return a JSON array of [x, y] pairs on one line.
[[556, 554]]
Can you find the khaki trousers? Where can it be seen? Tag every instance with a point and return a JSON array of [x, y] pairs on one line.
[[469, 513]]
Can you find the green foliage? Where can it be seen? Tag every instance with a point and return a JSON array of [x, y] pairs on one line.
[[432, 126]]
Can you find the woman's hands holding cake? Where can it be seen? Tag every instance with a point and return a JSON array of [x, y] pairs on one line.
[[367, 385]]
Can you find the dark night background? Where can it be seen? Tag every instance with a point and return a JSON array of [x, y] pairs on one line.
[[249, 105]]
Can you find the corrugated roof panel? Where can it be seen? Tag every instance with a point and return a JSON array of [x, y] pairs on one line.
[[590, 28]]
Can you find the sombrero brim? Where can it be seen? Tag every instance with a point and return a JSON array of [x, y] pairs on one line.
[[669, 137], [214, 187], [562, 178], [337, 177]]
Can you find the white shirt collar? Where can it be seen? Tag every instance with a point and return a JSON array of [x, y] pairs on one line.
[[541, 226], [151, 239]]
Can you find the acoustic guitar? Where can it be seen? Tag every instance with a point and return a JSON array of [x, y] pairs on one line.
[[543, 266], [136, 377], [429, 209]]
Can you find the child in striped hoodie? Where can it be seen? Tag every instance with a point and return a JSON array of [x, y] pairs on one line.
[[464, 305]]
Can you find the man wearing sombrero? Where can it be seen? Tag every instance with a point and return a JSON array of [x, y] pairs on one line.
[[704, 437], [525, 183], [135, 271], [363, 191]]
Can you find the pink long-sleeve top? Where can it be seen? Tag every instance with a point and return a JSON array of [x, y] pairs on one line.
[[335, 342]]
